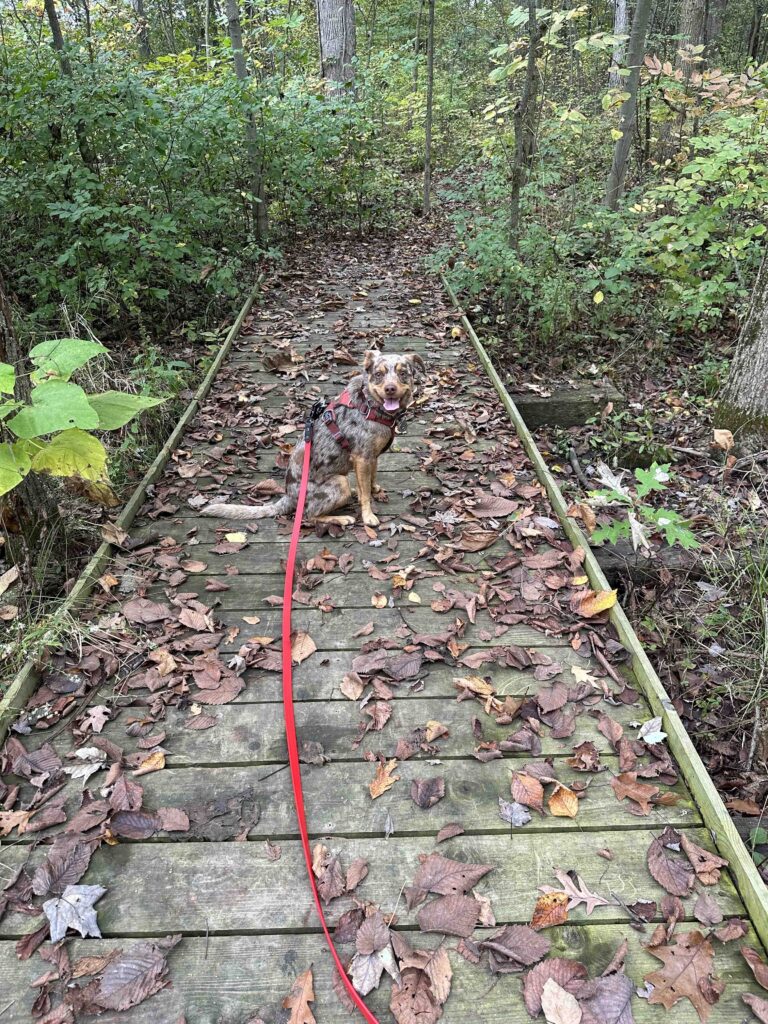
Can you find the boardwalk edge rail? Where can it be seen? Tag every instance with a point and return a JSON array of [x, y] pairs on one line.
[[25, 682], [752, 889]]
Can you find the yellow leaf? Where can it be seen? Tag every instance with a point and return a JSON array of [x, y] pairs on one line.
[[597, 298], [414, 598], [379, 600], [592, 602], [153, 763], [252, 620], [563, 803], [236, 538]]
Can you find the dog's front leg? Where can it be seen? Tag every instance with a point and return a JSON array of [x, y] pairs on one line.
[[364, 469], [375, 488]]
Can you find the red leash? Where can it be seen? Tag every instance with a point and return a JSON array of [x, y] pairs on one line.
[[290, 721]]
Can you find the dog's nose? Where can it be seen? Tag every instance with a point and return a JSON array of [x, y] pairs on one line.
[[390, 389]]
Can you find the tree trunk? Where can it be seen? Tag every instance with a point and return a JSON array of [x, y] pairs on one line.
[[145, 51], [26, 512], [743, 406], [620, 25], [87, 154], [628, 112], [524, 121], [336, 35], [254, 153], [430, 96], [690, 28]]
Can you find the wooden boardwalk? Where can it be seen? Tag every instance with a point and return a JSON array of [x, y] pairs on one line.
[[233, 885]]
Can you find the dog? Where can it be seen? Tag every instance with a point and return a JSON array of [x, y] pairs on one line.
[[351, 433]]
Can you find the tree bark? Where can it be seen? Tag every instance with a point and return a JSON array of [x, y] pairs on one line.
[[524, 121], [430, 98], [690, 28], [254, 153], [336, 36], [145, 50], [628, 113], [83, 144], [743, 406], [620, 24]]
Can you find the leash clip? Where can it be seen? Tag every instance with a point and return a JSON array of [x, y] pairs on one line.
[[314, 413]]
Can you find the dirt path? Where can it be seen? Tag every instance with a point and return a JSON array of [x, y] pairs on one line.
[[448, 665]]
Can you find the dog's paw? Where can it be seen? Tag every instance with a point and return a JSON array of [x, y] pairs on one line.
[[346, 521], [370, 519]]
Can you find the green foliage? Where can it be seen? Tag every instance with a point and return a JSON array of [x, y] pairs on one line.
[[638, 518], [53, 432]]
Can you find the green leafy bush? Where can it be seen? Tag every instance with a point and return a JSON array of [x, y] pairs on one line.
[[54, 432]]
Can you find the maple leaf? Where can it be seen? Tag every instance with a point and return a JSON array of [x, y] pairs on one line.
[[298, 999], [686, 974], [575, 889], [641, 794], [74, 909]]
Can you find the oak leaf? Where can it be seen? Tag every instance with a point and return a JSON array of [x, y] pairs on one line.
[[686, 974], [384, 778], [298, 999]]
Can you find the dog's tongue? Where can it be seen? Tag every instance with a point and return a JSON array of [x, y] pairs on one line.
[[391, 405]]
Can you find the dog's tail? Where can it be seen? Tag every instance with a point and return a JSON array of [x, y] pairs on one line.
[[274, 508]]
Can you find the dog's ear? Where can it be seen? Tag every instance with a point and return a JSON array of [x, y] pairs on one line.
[[418, 365], [369, 360]]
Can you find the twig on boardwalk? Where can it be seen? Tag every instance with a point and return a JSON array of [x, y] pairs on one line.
[[582, 476]]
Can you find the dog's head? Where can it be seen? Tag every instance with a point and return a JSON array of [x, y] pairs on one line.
[[392, 378]]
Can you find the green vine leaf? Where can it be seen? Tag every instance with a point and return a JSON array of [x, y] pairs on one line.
[[7, 379], [115, 409], [15, 463], [73, 453], [60, 357], [56, 405], [654, 479]]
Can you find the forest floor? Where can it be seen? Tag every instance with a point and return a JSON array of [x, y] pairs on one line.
[[702, 616], [479, 767]]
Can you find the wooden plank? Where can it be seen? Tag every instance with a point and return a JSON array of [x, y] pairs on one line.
[[24, 684], [245, 735], [334, 631], [339, 802], [225, 888], [729, 842], [230, 979]]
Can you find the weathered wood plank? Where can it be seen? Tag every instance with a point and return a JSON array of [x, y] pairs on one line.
[[334, 631], [223, 888], [228, 979], [255, 735]]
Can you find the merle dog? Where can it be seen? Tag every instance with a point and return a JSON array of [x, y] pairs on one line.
[[351, 433]]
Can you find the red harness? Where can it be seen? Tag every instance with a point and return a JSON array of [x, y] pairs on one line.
[[370, 412]]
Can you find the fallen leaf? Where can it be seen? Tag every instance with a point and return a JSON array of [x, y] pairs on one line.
[[563, 803], [451, 915], [425, 793], [298, 999], [686, 974], [528, 791], [593, 602], [384, 779], [302, 646], [671, 872], [74, 909], [551, 909], [559, 1006], [565, 972]]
